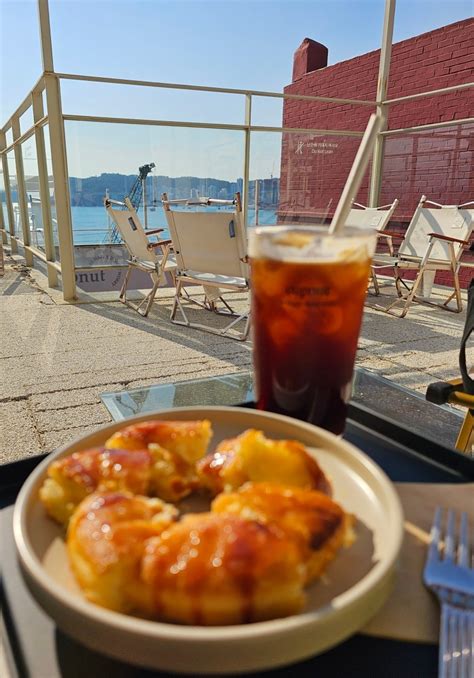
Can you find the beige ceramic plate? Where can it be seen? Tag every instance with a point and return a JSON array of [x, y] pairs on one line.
[[352, 590]]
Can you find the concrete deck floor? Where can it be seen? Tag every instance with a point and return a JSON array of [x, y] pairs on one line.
[[56, 358]]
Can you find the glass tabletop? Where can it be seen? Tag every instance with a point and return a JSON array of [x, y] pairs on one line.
[[382, 396]]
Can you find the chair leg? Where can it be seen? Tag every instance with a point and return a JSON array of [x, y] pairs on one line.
[[123, 289], [375, 282], [456, 293], [185, 322], [147, 300], [408, 300], [398, 282], [177, 305], [156, 278]]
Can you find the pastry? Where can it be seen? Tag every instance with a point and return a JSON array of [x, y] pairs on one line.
[[313, 520], [252, 457], [213, 569], [106, 539]]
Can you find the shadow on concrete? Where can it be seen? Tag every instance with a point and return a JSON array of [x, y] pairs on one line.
[[158, 324]]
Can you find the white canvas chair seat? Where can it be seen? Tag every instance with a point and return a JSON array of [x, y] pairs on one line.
[[154, 258], [211, 250], [378, 218], [434, 241], [224, 281]]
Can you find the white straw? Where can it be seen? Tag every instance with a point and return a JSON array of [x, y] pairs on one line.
[[357, 172]]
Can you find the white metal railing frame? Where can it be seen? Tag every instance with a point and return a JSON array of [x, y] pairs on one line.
[[49, 82]]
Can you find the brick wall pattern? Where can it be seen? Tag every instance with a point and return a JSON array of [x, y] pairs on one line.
[[437, 162]]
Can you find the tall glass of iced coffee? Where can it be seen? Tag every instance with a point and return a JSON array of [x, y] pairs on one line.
[[308, 291]]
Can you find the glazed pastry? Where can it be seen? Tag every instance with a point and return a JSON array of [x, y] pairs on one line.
[[188, 439], [221, 569], [252, 457], [105, 542], [155, 472], [313, 520]]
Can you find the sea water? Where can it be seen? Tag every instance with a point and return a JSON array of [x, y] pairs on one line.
[[92, 226]]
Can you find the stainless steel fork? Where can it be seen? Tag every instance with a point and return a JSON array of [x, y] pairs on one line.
[[449, 573]]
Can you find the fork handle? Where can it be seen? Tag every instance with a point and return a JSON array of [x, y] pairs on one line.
[[456, 654]]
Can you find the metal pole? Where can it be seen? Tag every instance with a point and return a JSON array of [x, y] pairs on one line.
[[382, 86], [3, 225], [8, 195], [248, 122], [21, 192], [145, 210], [49, 248], [45, 36], [61, 186]]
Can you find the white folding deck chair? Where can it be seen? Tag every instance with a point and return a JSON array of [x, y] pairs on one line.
[[211, 250], [153, 258], [378, 218], [434, 241]]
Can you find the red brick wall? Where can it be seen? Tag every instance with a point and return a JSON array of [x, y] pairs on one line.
[[438, 163]]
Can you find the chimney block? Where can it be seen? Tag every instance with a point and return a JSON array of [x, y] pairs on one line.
[[310, 56]]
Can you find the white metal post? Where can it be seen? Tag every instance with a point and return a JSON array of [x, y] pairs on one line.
[[382, 86], [8, 195], [58, 160], [50, 252], [58, 156], [45, 36], [21, 192], [246, 177], [61, 186], [3, 224]]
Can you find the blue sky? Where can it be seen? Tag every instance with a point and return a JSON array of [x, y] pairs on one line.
[[233, 43]]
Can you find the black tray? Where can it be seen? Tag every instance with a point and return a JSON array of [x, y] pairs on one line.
[[36, 648]]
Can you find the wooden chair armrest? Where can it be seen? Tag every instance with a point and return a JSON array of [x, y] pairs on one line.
[[447, 238], [391, 234], [155, 230], [160, 243]]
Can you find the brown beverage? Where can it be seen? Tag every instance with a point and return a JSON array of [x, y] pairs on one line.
[[308, 291]]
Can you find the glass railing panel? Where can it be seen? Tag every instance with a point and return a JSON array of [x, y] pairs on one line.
[[9, 137], [14, 194], [314, 169], [150, 103], [264, 172], [323, 115], [3, 203], [436, 162], [26, 120], [104, 159], [33, 198], [267, 111], [51, 191]]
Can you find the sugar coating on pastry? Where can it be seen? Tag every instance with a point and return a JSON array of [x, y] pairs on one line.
[[211, 569], [189, 439], [253, 457], [105, 543], [154, 471], [313, 520]]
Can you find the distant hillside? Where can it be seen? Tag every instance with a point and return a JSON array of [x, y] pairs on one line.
[[91, 190]]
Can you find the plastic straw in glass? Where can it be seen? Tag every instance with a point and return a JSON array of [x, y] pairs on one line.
[[357, 172]]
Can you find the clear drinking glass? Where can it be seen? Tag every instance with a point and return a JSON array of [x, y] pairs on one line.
[[308, 292]]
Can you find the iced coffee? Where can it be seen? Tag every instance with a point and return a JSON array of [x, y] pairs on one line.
[[308, 291]]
